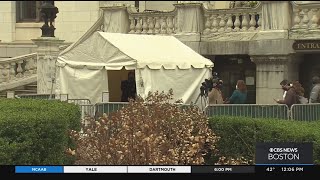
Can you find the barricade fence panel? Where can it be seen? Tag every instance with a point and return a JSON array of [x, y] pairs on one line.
[[87, 110], [305, 112], [79, 101], [110, 107], [300, 112], [36, 96], [248, 110]]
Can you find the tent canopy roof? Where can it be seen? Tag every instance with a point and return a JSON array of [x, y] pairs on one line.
[[115, 51]]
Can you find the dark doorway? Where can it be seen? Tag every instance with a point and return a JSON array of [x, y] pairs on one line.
[[232, 68], [309, 67]]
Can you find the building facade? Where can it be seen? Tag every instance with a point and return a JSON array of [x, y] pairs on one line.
[[262, 45]]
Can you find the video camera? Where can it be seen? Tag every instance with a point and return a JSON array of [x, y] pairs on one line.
[[208, 84]]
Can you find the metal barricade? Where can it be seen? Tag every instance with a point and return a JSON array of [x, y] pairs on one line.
[[248, 110], [35, 96], [187, 106], [61, 97], [87, 110], [79, 101], [109, 107], [305, 112]]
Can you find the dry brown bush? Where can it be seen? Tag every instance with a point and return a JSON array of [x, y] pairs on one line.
[[146, 132], [231, 161]]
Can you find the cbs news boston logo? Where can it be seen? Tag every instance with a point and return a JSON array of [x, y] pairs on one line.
[[284, 153]]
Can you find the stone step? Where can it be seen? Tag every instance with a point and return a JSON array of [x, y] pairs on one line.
[[31, 87], [25, 91]]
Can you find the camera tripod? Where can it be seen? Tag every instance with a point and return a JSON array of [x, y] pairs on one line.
[[203, 100]]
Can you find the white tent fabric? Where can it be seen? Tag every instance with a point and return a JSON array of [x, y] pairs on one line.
[[82, 83], [160, 63]]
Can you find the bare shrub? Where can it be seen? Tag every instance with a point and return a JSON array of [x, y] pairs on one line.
[[231, 161], [146, 132]]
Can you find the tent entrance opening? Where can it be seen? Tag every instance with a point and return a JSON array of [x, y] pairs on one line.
[[115, 77]]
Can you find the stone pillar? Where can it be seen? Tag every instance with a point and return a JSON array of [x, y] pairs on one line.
[[189, 18], [271, 70], [48, 51], [276, 15], [116, 19]]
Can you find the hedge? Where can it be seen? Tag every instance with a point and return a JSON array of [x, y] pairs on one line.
[[238, 135], [35, 132]]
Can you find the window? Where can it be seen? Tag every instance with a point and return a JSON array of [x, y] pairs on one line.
[[29, 11]]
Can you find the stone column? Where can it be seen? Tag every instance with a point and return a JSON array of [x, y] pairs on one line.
[[189, 18], [271, 70], [276, 18], [116, 19], [48, 51], [276, 15]]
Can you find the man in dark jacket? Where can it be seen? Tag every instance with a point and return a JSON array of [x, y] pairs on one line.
[[315, 92], [128, 88], [290, 97]]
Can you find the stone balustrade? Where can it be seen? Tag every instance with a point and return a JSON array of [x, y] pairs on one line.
[[152, 22], [20, 67], [232, 20], [305, 16]]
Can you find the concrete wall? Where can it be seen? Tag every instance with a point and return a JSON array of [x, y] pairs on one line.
[[75, 18], [157, 5], [28, 31], [7, 20]]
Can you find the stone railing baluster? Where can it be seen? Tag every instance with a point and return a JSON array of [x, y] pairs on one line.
[[151, 25], [19, 69], [207, 24], [305, 19], [215, 23], [13, 69], [237, 23], [314, 20], [138, 26], [157, 26], [145, 25], [244, 23], [253, 22], [153, 22], [170, 24], [132, 25], [229, 23], [163, 25], [232, 20]]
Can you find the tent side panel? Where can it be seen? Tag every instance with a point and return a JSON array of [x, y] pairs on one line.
[[83, 83], [185, 83]]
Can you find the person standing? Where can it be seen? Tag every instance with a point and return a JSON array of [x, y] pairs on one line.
[[315, 91], [282, 84], [239, 95], [128, 88], [215, 95], [291, 96]]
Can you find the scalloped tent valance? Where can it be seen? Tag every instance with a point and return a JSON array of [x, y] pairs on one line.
[[113, 51]]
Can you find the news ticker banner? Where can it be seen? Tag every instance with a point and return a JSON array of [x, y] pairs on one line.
[[269, 158], [235, 169]]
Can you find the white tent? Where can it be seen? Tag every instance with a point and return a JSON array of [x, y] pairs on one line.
[[159, 62]]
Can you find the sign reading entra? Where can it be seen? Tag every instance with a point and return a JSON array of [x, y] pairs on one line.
[[306, 45]]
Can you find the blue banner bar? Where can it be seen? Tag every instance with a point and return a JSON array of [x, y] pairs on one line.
[[39, 169]]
